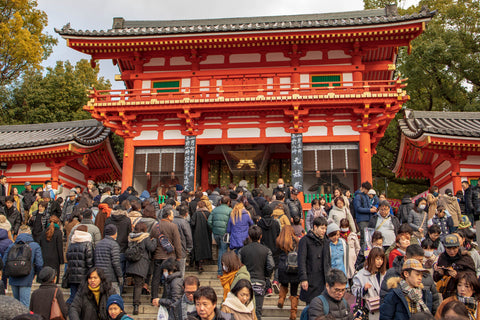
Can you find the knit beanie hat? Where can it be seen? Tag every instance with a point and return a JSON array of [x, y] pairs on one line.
[[110, 229], [46, 275], [115, 299], [332, 227]]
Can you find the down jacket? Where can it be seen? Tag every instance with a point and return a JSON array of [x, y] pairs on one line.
[[148, 245], [79, 256], [337, 308], [107, 257], [84, 305], [173, 290], [218, 219], [120, 219], [395, 305], [239, 230]]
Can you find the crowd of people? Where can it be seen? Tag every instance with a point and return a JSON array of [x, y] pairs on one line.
[[354, 257]]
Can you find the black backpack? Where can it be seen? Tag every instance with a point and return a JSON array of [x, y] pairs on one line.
[[19, 260], [134, 251]]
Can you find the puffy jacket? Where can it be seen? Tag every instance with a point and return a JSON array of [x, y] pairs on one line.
[[173, 290], [120, 219], [337, 308], [85, 307], [295, 207], [92, 229], [79, 256], [396, 271], [415, 220], [362, 205], [239, 230], [395, 305], [218, 219], [404, 209], [14, 217], [148, 245], [107, 257], [258, 260], [37, 261]]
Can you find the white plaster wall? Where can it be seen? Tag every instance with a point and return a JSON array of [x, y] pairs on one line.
[[74, 173], [276, 132], [471, 169], [19, 167], [316, 131], [185, 83], [211, 134], [313, 55], [147, 135], [213, 59], [247, 57], [441, 168], [471, 160], [173, 134], [243, 133], [337, 54], [276, 56], [155, 62], [146, 84], [178, 61], [447, 186], [344, 131], [39, 166], [347, 77]]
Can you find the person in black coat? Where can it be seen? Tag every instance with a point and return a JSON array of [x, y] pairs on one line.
[[173, 287], [80, 259], [139, 269], [120, 219], [313, 260], [12, 214], [86, 305], [202, 235], [41, 300], [107, 257], [270, 229], [51, 242]]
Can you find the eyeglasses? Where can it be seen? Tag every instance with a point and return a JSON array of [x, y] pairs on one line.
[[189, 293], [337, 290]]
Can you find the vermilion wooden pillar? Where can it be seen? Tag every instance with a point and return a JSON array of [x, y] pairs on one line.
[[365, 157], [128, 156], [456, 178]]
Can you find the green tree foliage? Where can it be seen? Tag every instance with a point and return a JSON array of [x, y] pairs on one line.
[[375, 4], [58, 96], [23, 44], [443, 72]]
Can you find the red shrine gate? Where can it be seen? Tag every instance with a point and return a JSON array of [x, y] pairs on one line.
[[211, 101]]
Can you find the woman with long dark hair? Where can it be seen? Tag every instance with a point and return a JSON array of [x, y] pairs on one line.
[[51, 242], [239, 301], [287, 242], [91, 301]]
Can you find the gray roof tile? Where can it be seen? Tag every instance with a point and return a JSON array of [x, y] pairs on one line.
[[84, 132], [123, 27]]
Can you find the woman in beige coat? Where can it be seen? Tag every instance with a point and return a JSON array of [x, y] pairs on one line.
[[239, 301]]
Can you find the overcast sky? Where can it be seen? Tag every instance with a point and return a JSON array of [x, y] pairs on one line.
[[98, 15]]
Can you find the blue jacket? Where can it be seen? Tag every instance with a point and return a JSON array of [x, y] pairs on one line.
[[239, 230], [362, 206], [37, 261], [395, 305], [4, 241]]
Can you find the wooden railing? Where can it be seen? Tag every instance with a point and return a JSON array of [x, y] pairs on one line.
[[248, 90]]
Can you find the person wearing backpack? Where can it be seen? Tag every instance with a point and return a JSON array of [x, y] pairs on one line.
[[107, 257], [139, 240], [331, 301], [168, 246], [259, 262], [287, 242], [24, 251]]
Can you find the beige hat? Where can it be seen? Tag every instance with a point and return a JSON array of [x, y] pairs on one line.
[[4, 223]]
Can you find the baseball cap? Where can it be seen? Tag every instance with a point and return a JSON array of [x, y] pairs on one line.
[[451, 241], [414, 265], [27, 183]]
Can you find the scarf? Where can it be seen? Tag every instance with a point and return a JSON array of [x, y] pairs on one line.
[[226, 280], [470, 303], [345, 235], [96, 293], [184, 304], [318, 212], [415, 296]]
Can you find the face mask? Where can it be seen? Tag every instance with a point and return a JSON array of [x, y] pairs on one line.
[[165, 274], [225, 269], [344, 229], [422, 207], [428, 254], [280, 186], [435, 194], [49, 187]]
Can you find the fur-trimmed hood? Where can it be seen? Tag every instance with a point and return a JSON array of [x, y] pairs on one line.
[[394, 282]]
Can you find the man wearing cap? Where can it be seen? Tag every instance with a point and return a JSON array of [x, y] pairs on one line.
[[107, 257], [28, 195], [53, 207], [40, 302], [449, 264], [69, 205], [407, 295]]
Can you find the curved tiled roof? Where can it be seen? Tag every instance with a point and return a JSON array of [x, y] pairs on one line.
[[122, 27], [460, 124], [84, 132]]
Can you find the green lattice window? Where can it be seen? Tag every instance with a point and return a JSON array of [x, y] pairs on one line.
[[323, 80], [167, 86]]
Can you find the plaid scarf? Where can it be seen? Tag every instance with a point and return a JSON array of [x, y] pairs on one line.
[[471, 305], [414, 295]]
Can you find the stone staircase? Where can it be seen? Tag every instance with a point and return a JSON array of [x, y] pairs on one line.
[[207, 278]]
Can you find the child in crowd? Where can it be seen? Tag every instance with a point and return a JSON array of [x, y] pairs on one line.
[[115, 308]]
